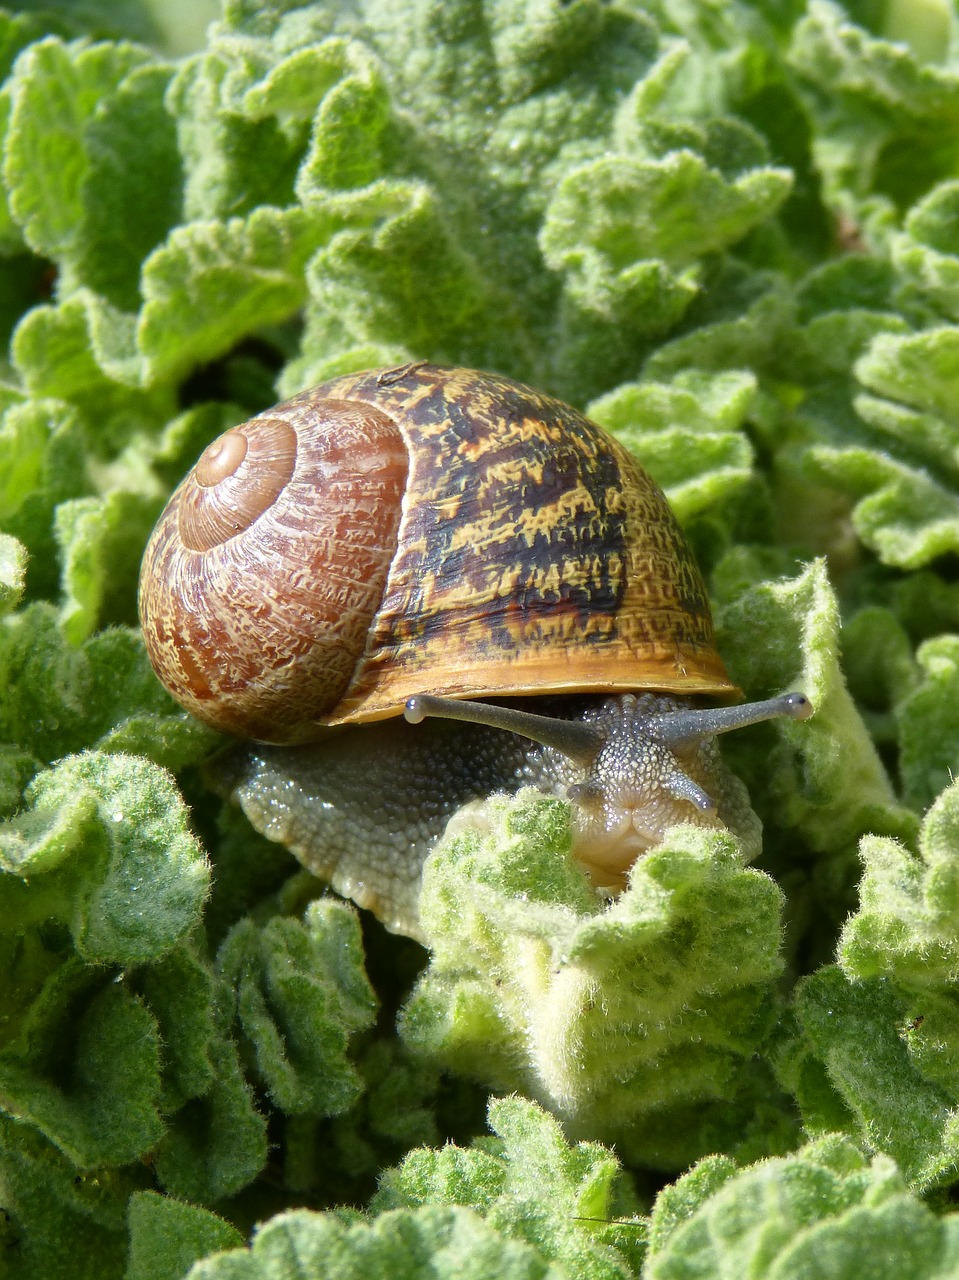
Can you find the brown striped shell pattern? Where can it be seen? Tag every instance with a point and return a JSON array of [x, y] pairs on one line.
[[412, 530]]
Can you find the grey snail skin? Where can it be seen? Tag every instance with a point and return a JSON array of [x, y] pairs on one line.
[[408, 589]]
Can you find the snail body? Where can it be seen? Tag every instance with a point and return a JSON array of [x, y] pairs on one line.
[[412, 540]]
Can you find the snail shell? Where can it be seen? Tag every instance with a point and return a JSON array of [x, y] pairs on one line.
[[417, 529]]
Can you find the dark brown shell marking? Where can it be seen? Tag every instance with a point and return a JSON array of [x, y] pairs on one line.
[[534, 555]]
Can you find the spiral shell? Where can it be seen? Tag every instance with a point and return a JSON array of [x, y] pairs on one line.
[[417, 529]]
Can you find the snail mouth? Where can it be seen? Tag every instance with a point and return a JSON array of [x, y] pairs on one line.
[[608, 840], [608, 846]]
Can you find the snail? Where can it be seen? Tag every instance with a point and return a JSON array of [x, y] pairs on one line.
[[448, 546]]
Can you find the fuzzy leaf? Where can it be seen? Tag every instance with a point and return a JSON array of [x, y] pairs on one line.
[[97, 1100], [902, 514], [533, 987], [883, 114], [685, 433], [59, 1223], [823, 1211], [83, 351], [929, 724], [836, 787], [389, 245], [212, 283], [615, 209], [127, 877], [13, 569], [530, 1186], [907, 923], [232, 163], [43, 461], [216, 1144], [858, 1033], [831, 50], [444, 1243], [101, 540], [133, 164], [300, 994], [56, 699], [167, 1237], [927, 255], [56, 92]]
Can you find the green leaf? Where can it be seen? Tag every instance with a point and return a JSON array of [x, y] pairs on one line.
[[533, 47], [300, 994], [741, 337], [101, 541], [440, 1242], [858, 1032], [180, 991], [832, 51], [823, 1211], [921, 371], [216, 1144], [212, 283], [687, 435], [390, 245], [615, 209], [530, 1186], [167, 1237], [832, 782], [60, 1223], [84, 351], [13, 571], [351, 120], [43, 461], [533, 987], [128, 878], [17, 769], [928, 722], [233, 163], [56, 91], [681, 1199], [927, 255], [882, 674], [56, 699], [884, 117], [96, 1098], [701, 403], [101, 19], [901, 513], [133, 165], [907, 923]]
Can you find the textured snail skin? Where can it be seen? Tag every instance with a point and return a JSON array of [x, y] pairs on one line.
[[364, 808]]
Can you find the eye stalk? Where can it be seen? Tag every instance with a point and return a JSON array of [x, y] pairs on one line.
[[677, 729], [579, 742], [682, 729], [636, 766]]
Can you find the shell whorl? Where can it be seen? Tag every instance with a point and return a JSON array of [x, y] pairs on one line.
[[261, 579], [238, 477]]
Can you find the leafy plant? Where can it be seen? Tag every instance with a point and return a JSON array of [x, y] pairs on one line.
[[731, 233]]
